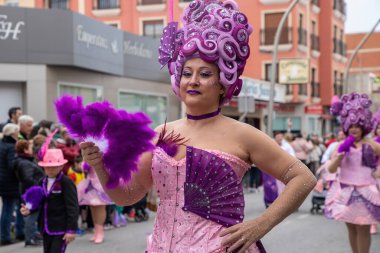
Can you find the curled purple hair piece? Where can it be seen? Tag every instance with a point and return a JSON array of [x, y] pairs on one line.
[[354, 109], [216, 32]]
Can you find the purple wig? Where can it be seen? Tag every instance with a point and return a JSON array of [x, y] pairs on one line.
[[214, 31], [354, 109]]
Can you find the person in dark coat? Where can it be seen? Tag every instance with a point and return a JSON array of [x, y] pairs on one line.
[[13, 114], [9, 189], [29, 174], [26, 126], [59, 208]]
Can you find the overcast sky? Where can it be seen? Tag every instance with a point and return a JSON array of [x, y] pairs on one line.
[[362, 15]]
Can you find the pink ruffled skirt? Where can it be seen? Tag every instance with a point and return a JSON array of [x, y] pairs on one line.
[[353, 204], [90, 192]]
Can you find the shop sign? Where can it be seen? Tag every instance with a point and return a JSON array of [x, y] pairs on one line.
[[137, 48], [8, 29], [314, 109], [294, 71], [91, 39], [260, 90]]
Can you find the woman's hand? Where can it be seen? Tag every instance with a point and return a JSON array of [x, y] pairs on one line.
[[243, 235], [91, 154], [376, 174], [24, 210], [68, 238]]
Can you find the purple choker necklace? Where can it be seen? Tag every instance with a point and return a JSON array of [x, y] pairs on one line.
[[203, 116]]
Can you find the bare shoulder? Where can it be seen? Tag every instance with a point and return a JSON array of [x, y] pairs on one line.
[[168, 125], [246, 135]]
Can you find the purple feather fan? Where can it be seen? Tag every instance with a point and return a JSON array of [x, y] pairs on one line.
[[377, 139], [33, 197], [130, 136], [212, 189], [122, 137], [69, 112]]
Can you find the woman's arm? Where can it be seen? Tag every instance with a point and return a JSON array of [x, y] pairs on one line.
[[335, 162], [376, 146], [270, 158]]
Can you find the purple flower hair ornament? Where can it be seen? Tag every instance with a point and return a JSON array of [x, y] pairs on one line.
[[215, 31], [121, 136], [33, 197], [353, 109]]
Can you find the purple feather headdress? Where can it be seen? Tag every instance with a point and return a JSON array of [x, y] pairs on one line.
[[354, 109], [33, 197], [216, 32], [41, 153], [122, 137]]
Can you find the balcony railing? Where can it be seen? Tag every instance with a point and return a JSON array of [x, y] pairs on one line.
[[315, 2], [315, 90], [267, 36], [302, 36], [58, 4], [343, 48], [340, 5], [150, 2], [338, 89], [339, 47], [302, 89], [289, 89], [107, 4], [314, 42]]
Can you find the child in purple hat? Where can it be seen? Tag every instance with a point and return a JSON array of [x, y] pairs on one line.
[[58, 203]]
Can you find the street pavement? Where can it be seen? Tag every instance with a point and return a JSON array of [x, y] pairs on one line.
[[301, 232]]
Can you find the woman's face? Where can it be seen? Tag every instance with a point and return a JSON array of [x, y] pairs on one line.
[[377, 133], [53, 171], [356, 131], [200, 83]]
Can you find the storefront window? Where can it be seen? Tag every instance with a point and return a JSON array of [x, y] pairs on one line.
[[155, 106], [89, 94], [281, 124], [312, 125]]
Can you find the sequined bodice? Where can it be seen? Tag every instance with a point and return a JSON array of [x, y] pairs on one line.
[[176, 230]]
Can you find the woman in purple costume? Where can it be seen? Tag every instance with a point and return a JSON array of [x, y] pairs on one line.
[[199, 160], [354, 197], [376, 137]]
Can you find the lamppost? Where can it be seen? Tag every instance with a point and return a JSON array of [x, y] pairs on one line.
[[273, 68], [346, 75]]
